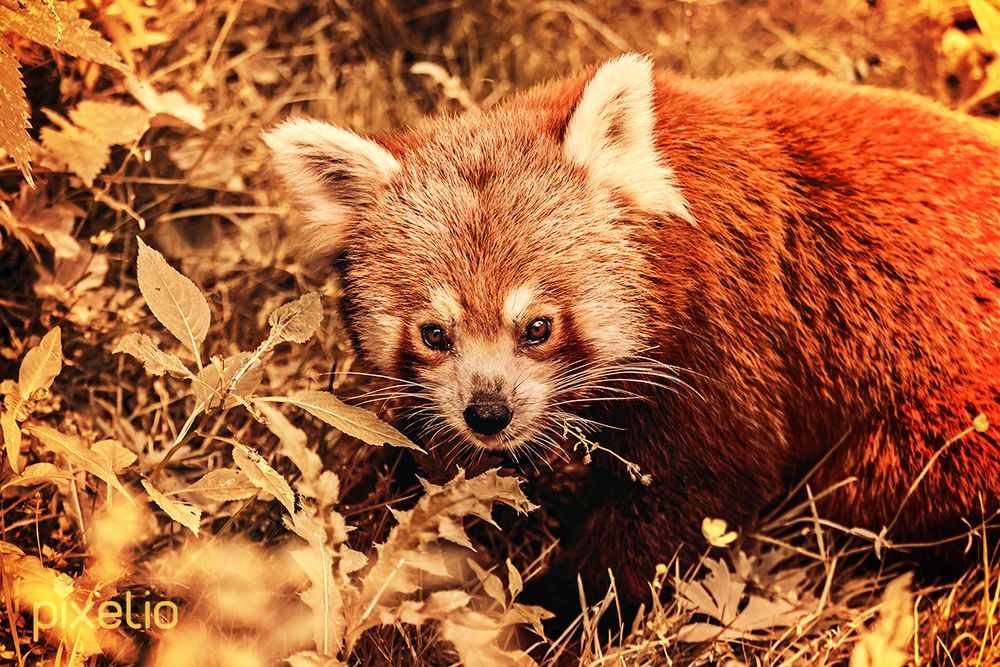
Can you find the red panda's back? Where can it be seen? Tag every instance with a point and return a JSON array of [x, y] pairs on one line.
[[882, 221]]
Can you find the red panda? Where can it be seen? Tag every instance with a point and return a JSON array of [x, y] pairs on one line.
[[722, 280]]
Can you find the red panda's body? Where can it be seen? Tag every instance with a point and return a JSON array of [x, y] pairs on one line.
[[821, 265]]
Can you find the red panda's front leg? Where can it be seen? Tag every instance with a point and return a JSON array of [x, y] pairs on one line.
[[627, 528]]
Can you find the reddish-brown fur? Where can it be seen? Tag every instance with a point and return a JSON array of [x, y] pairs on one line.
[[841, 284]]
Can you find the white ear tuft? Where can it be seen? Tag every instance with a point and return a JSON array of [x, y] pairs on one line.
[[330, 172], [612, 133]]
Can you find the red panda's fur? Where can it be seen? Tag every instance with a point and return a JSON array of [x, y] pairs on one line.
[[837, 285]]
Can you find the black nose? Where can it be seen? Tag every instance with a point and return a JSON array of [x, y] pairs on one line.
[[488, 417]]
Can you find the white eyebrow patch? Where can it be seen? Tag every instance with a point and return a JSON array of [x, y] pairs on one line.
[[445, 304], [517, 302]]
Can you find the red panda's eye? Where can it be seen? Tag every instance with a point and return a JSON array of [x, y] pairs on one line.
[[435, 337], [538, 331]]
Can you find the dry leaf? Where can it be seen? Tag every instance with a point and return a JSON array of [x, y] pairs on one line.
[[51, 224], [58, 26], [171, 103], [514, 582], [175, 301], [155, 360], [323, 596], [116, 455], [293, 442], [11, 431], [223, 485], [413, 556], [480, 641], [321, 485], [490, 582], [263, 476], [353, 421], [111, 122], [83, 153], [297, 321], [185, 514], [14, 122], [76, 451], [216, 380], [886, 644], [41, 364], [987, 16], [720, 596], [37, 473]]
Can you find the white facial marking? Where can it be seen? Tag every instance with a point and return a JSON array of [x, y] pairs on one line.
[[517, 302], [444, 304]]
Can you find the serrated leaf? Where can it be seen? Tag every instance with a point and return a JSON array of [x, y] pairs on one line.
[[415, 547], [14, 121], [37, 473], [175, 301], [224, 484], [297, 321], [353, 421], [155, 360], [185, 514], [453, 531], [58, 26], [263, 476], [111, 122], [11, 438], [76, 451], [84, 154], [41, 364]]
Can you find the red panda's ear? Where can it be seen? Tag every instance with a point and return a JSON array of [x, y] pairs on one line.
[[612, 133], [330, 172]]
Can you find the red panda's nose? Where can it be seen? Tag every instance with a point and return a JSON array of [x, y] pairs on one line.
[[488, 417]]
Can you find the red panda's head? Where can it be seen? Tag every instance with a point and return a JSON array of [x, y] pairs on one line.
[[489, 260]]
